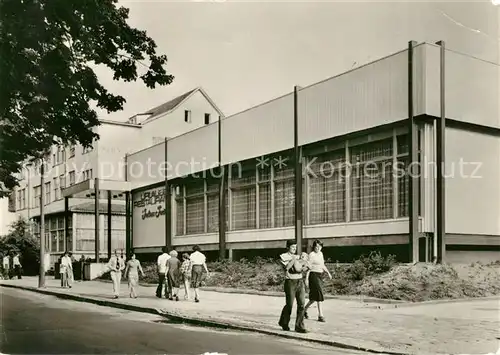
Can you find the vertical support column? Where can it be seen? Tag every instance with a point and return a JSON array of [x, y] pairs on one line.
[[41, 275], [109, 224], [298, 173], [168, 206], [440, 183], [412, 171], [347, 176], [128, 244], [395, 185], [222, 197], [131, 210], [66, 225], [96, 216]]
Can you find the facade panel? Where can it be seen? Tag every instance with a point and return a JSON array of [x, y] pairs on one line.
[[369, 96], [472, 87], [147, 166], [472, 183], [193, 152], [258, 131]]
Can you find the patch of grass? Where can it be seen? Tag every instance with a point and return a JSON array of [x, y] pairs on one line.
[[372, 275]]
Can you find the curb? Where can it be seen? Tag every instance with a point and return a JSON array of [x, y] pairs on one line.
[[197, 321]]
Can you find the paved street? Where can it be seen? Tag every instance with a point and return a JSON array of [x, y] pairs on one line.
[[32, 323], [467, 327]]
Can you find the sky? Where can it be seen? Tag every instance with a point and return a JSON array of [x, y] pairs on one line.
[[244, 53]]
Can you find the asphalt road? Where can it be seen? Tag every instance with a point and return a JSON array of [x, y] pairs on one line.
[[32, 323]]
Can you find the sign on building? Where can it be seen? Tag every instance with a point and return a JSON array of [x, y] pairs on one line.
[[148, 218]]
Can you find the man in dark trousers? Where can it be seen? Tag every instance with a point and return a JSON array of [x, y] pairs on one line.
[[294, 288], [162, 269], [18, 269]]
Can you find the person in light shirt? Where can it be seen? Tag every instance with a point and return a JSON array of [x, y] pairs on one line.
[[115, 266], [66, 269], [314, 278], [17, 266], [294, 288], [198, 264], [162, 269]]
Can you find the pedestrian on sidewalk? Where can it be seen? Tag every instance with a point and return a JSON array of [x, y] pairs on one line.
[[71, 272], [162, 269], [65, 270], [314, 279], [185, 273], [173, 277], [62, 272], [18, 268], [294, 288], [115, 267], [198, 264], [132, 274]]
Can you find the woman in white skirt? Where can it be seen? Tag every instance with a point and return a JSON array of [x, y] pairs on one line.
[[132, 273]]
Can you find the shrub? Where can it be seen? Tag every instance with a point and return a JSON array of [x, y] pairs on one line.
[[20, 240]]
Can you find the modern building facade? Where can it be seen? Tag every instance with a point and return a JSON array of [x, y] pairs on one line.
[[70, 219], [353, 131]]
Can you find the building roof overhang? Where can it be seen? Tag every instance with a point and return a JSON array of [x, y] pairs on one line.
[[86, 188]]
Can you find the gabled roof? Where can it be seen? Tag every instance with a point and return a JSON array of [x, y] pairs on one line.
[[171, 105]]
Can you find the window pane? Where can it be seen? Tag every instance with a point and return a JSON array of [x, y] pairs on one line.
[[179, 216], [284, 203], [70, 240], [195, 215], [265, 205], [371, 181], [53, 239], [213, 212], [327, 188], [243, 206], [403, 186], [61, 240], [372, 191]]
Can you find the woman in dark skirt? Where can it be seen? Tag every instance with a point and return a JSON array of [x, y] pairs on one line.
[[198, 265], [314, 278]]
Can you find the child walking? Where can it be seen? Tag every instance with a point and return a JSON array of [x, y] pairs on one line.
[[185, 272]]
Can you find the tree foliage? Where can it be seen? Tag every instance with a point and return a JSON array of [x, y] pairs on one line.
[[19, 240], [47, 50]]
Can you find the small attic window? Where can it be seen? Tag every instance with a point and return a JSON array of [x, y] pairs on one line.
[[187, 116], [207, 118]]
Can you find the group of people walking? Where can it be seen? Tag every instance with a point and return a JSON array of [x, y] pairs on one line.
[[172, 273], [302, 270]]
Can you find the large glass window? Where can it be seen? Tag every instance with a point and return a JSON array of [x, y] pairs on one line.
[[265, 196], [179, 207], [212, 206], [284, 197], [243, 192], [195, 207], [327, 188], [371, 180]]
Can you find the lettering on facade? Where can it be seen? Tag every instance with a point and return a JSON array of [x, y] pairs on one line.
[[151, 203]]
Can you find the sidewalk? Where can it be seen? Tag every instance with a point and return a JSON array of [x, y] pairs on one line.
[[447, 328]]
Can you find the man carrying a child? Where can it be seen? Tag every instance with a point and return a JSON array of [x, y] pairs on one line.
[[294, 267]]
